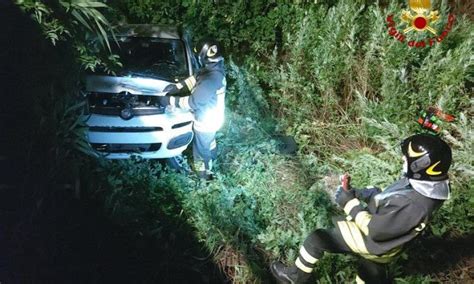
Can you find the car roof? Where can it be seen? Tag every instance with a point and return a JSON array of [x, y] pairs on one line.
[[158, 31]]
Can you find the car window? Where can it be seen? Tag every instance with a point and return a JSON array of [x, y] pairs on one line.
[[151, 57]]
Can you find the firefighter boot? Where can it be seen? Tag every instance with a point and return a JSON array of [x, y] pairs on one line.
[[205, 175], [289, 275]]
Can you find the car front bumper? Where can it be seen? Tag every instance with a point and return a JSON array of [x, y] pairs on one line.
[[149, 136]]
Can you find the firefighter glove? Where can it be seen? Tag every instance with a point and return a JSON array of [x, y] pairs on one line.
[[367, 193], [343, 196], [171, 89]]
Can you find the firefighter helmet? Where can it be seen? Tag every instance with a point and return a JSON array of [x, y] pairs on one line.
[[209, 52], [428, 157]]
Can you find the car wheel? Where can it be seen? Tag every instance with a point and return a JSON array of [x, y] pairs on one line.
[[178, 163]]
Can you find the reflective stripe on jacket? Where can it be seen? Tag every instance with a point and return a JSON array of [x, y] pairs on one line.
[[207, 99], [391, 219]]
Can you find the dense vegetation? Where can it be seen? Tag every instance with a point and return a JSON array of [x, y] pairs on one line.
[[327, 73]]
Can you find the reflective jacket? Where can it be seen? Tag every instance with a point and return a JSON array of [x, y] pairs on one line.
[[391, 219], [207, 97]]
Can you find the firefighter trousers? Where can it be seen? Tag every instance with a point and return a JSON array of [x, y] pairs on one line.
[[204, 150], [331, 240]]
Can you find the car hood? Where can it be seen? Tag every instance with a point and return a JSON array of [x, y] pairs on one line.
[[132, 85]]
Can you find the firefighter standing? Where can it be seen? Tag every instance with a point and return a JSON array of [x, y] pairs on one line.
[[206, 101], [393, 217]]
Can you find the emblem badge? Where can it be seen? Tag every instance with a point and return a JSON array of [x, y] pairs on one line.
[[423, 17]]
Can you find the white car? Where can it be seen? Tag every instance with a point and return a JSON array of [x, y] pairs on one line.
[[124, 116]]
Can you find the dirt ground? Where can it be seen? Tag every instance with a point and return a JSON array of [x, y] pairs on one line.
[[446, 260]]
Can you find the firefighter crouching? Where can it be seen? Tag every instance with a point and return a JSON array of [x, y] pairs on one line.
[[377, 232], [206, 101]]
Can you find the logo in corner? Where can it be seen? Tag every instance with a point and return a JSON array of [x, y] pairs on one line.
[[422, 18], [419, 19]]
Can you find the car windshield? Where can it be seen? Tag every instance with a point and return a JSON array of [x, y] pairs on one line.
[[151, 57]]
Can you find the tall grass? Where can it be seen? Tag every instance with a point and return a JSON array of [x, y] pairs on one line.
[[330, 75], [327, 73]]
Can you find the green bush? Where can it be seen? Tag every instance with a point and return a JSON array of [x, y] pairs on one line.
[[329, 74], [326, 72]]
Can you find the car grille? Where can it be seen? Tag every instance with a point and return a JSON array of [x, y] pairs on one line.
[[124, 129], [126, 148], [182, 124], [115, 111], [112, 104]]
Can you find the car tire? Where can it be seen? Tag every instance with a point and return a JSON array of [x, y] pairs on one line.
[[178, 164]]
